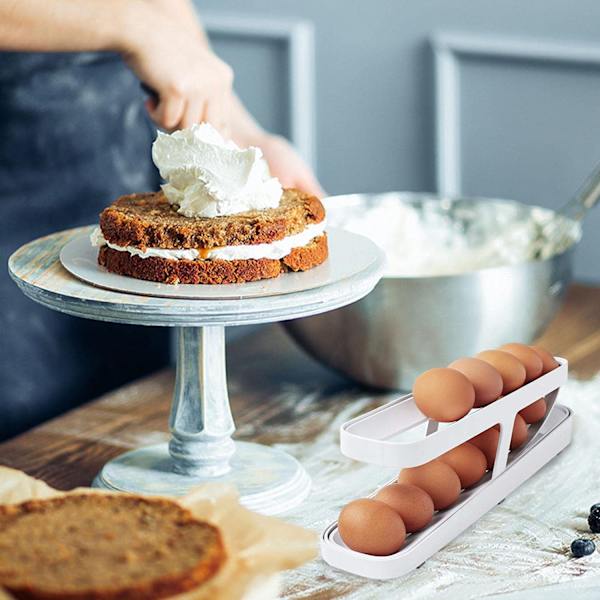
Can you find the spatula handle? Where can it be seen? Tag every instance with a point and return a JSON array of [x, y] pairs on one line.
[[151, 92]]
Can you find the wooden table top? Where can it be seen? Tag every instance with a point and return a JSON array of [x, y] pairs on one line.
[[68, 451]]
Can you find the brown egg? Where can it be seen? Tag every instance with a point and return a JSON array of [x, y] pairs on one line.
[[371, 527], [437, 479], [443, 394], [468, 461], [486, 380], [510, 368], [548, 362], [519, 433], [534, 412], [530, 359], [487, 442], [414, 505]]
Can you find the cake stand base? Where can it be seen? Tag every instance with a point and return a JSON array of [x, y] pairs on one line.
[[268, 480]]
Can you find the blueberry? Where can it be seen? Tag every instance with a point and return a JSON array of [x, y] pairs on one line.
[[582, 547], [594, 521]]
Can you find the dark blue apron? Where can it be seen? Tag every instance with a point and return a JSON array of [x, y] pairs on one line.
[[73, 136]]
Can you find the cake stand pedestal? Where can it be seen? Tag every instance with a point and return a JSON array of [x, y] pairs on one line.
[[201, 448]]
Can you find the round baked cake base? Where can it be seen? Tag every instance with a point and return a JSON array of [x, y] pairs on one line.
[[348, 254], [212, 272], [268, 480]]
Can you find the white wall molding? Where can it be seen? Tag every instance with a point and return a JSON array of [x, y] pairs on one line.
[[298, 35], [448, 48]]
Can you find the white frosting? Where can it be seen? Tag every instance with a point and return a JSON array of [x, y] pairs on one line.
[[208, 176], [430, 240], [274, 250]]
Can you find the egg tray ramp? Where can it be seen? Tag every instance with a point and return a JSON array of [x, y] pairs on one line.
[[374, 438]]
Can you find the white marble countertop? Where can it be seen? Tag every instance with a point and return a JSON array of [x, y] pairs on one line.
[[519, 550]]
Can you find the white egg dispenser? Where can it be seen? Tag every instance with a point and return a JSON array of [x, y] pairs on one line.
[[379, 437]]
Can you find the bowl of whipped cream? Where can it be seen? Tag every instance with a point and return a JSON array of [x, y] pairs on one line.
[[463, 275]]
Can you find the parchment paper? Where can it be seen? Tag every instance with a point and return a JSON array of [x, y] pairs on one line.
[[258, 547]]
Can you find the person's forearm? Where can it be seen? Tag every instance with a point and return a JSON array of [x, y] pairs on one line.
[[66, 25], [244, 129], [185, 13]]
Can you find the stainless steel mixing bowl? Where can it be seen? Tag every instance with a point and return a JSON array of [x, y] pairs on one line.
[[410, 324]]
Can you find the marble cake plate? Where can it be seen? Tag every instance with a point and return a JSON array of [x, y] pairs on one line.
[[201, 448]]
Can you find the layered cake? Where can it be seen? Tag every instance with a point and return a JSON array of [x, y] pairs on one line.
[[106, 547], [219, 218]]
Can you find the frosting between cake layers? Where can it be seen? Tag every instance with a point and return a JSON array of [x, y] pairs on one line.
[[273, 250], [207, 176]]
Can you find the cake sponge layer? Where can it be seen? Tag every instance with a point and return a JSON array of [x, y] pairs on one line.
[[106, 547], [213, 271], [149, 221]]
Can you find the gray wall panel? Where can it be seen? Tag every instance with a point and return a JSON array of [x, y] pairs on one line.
[[528, 128], [529, 131], [260, 76]]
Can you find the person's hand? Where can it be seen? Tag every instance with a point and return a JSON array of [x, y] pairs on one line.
[[192, 83], [287, 165]]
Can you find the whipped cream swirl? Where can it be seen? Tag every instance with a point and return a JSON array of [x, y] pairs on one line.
[[207, 176]]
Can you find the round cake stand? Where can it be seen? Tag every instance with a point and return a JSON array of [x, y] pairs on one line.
[[201, 447]]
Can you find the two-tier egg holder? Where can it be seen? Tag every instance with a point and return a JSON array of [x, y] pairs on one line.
[[61, 272], [399, 435]]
